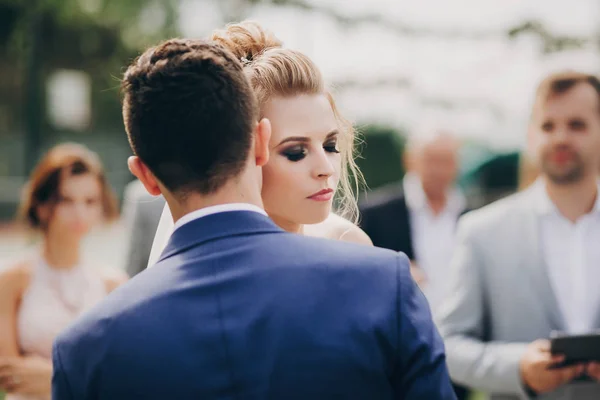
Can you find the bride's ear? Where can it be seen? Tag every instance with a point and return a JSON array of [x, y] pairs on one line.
[[261, 142], [143, 173]]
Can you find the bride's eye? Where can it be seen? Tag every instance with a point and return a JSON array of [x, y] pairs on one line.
[[294, 153], [331, 147]]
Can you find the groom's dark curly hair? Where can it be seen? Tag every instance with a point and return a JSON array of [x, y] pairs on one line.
[[189, 113]]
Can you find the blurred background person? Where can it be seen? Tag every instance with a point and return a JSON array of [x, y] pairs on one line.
[[418, 216], [66, 196], [530, 264], [141, 214]]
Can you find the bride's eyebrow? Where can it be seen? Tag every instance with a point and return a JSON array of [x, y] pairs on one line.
[[306, 139], [331, 134], [303, 139]]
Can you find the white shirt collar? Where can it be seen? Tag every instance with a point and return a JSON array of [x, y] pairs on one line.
[[543, 205], [417, 200], [203, 212]]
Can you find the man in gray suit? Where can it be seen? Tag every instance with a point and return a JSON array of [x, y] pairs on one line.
[[141, 213], [529, 264]]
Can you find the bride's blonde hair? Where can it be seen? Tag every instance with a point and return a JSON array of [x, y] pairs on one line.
[[276, 71]]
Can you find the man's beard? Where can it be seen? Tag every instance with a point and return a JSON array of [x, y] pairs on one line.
[[565, 176]]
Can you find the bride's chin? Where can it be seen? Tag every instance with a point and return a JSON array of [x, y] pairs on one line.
[[316, 217]]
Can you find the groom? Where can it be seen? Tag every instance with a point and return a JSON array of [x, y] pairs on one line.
[[236, 308]]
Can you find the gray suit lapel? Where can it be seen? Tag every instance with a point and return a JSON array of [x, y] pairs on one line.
[[535, 266]]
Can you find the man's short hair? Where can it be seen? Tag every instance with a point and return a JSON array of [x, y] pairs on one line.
[[561, 82], [189, 113]]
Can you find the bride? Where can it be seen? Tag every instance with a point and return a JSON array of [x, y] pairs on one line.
[[311, 145]]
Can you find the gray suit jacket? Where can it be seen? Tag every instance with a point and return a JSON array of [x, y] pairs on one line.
[[141, 213], [501, 300]]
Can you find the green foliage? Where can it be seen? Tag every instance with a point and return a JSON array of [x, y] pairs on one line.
[[499, 172], [98, 37], [121, 17], [380, 156]]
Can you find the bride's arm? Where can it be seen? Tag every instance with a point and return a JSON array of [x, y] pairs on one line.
[[161, 238]]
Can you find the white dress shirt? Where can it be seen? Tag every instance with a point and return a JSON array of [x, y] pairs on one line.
[[166, 227], [432, 236], [571, 252]]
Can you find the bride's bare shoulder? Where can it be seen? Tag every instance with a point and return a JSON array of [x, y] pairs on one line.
[[338, 228]]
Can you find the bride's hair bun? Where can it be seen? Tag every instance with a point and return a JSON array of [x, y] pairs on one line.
[[246, 40]]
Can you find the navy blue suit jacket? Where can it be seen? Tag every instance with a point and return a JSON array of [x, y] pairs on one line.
[[239, 309]]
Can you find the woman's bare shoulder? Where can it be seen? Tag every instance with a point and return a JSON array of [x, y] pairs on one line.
[[339, 228], [15, 277]]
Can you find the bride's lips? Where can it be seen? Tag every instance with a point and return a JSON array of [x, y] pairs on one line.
[[323, 195]]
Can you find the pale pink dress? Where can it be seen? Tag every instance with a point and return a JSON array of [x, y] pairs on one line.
[[53, 299]]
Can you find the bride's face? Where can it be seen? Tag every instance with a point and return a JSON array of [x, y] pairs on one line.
[[302, 174]]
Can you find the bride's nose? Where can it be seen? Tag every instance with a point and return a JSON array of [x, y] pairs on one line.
[[322, 167]]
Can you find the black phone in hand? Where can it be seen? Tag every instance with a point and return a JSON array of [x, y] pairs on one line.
[[577, 349]]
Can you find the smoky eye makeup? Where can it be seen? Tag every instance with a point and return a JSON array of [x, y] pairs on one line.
[[298, 151], [294, 153], [331, 146]]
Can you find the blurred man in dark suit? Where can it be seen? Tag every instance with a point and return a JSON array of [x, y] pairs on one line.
[[418, 216]]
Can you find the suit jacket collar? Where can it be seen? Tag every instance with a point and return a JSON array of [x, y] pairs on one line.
[[542, 203], [534, 265], [536, 203], [217, 226], [227, 207]]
